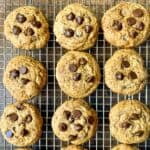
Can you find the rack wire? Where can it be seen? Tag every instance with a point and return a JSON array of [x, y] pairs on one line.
[[51, 96]]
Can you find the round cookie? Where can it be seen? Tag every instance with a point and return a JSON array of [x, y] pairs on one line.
[[78, 74], [27, 28], [73, 147], [126, 25], [125, 73], [76, 27], [24, 77], [74, 121], [130, 122], [21, 124], [125, 147]]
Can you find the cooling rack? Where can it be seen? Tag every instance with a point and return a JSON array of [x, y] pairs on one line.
[[51, 96]]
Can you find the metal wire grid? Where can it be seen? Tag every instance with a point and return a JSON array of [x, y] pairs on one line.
[[51, 97]]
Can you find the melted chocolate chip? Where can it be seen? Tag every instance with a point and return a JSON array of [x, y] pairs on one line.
[[138, 12], [23, 70], [73, 67], [76, 114], [125, 125], [79, 20], [76, 76], [16, 30], [133, 34], [88, 28], [119, 76], [63, 127], [69, 33], [132, 75], [14, 74], [140, 26], [72, 137], [9, 134], [90, 79], [91, 119], [21, 18], [28, 118], [24, 81], [82, 61], [117, 25], [20, 107], [135, 116], [70, 16], [29, 32], [36, 24], [24, 132], [139, 133], [78, 127], [67, 114], [13, 117], [125, 64], [131, 21]]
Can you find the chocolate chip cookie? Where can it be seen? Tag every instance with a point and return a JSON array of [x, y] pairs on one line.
[[125, 147], [125, 73], [21, 124], [24, 77], [73, 147], [130, 121], [78, 74], [27, 28], [126, 24], [76, 27], [74, 121]]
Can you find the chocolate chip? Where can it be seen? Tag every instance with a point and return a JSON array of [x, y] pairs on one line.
[[117, 25], [24, 132], [132, 75], [70, 16], [79, 20], [76, 114], [78, 127], [90, 79], [131, 21], [67, 114], [29, 32], [133, 34], [76, 76], [16, 30], [14, 74], [13, 117], [72, 137], [139, 133], [91, 119], [36, 24], [119, 76], [135, 116], [69, 32], [20, 107], [140, 26], [88, 28], [125, 125], [9, 134], [23, 70], [82, 61], [21, 18], [138, 12], [24, 81], [63, 127], [125, 64], [71, 119], [73, 67], [28, 118]]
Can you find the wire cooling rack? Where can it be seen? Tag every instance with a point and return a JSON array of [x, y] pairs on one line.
[[51, 96]]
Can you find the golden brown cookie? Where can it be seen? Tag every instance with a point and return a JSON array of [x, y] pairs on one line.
[[125, 147]]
